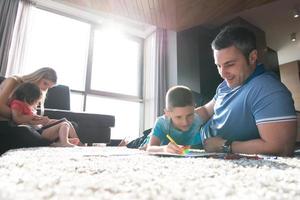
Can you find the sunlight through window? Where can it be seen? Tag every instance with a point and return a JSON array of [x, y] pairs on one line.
[[116, 66], [58, 42], [126, 115], [64, 43]]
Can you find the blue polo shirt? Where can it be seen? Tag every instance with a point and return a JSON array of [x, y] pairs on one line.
[[238, 111]]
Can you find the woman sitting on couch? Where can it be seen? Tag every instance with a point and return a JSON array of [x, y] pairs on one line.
[[12, 137]]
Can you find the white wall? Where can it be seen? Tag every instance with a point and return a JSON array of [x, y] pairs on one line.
[[277, 21], [290, 52]]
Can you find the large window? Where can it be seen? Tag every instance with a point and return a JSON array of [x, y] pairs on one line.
[[60, 42], [116, 65], [102, 66]]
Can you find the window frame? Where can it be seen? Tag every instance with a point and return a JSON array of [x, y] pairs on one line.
[[87, 89]]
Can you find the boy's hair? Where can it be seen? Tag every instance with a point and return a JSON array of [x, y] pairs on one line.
[[179, 96], [27, 92], [238, 36]]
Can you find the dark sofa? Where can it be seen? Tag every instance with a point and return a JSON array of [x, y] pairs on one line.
[[92, 128]]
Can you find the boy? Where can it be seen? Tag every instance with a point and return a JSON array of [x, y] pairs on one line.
[[180, 122]]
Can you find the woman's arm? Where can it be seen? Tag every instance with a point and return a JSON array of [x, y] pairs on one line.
[[6, 89], [19, 118]]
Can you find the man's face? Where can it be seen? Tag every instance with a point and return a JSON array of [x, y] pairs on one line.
[[233, 66], [182, 117]]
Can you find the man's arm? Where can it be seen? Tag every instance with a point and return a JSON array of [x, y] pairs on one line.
[[277, 138], [206, 111]]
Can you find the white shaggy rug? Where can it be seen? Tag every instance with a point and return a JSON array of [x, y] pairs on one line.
[[121, 173]]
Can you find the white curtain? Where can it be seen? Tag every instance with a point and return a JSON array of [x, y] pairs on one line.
[[149, 73], [160, 71], [155, 76], [16, 53]]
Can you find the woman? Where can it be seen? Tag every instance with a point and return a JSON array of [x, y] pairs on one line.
[[18, 137]]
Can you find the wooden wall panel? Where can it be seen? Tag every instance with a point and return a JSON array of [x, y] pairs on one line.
[[174, 15]]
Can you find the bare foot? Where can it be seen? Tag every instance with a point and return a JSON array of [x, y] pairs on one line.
[[67, 144], [123, 142], [74, 141], [143, 147], [60, 144]]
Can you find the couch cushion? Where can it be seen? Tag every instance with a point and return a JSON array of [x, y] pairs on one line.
[[92, 128], [58, 97]]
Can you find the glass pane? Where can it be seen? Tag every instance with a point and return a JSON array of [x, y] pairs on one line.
[[127, 115], [115, 61], [59, 42], [76, 101]]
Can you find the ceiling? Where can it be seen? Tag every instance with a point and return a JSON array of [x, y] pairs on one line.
[[174, 15], [274, 17]]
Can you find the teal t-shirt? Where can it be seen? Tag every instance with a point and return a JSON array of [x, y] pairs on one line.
[[164, 126]]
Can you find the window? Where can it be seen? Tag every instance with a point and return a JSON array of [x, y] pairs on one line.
[[116, 64], [102, 67], [126, 114], [59, 42]]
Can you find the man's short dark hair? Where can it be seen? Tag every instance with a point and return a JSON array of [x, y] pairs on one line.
[[238, 36], [27, 92], [179, 96]]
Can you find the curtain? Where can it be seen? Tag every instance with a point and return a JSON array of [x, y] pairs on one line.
[[16, 53], [149, 74], [8, 14], [155, 76], [160, 71]]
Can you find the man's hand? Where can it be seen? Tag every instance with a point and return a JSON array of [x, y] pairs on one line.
[[213, 144]]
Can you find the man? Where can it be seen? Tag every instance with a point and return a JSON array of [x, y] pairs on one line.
[[252, 112]]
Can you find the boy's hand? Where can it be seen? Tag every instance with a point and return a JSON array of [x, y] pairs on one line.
[[174, 148]]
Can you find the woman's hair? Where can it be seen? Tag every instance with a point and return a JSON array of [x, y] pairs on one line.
[[34, 77], [238, 36], [179, 96], [27, 92], [42, 73]]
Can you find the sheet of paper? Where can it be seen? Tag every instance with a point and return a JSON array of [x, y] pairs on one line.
[[191, 153]]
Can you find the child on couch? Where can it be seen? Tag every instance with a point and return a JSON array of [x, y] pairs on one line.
[[23, 104]]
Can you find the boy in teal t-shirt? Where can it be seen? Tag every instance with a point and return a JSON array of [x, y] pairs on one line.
[[180, 122]]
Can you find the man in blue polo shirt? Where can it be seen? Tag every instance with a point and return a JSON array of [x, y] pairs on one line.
[[252, 111]]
